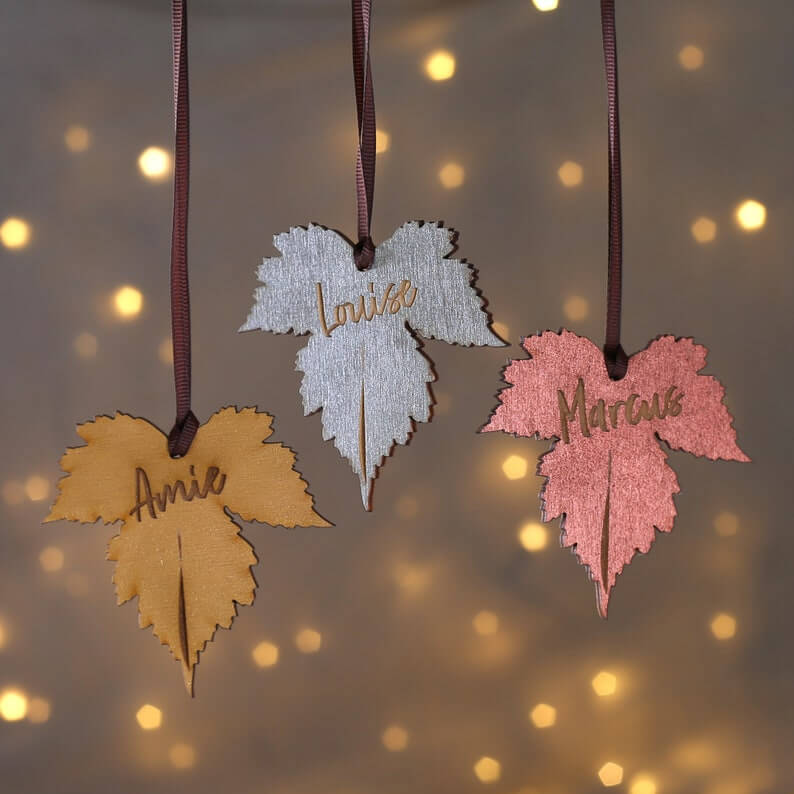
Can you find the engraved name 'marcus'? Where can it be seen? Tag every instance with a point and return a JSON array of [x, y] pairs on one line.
[[366, 307], [214, 482], [605, 416]]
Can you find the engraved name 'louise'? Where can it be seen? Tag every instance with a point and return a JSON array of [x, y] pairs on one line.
[[366, 307], [214, 482], [605, 416]]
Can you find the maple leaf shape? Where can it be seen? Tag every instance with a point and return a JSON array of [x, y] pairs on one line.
[[362, 365], [607, 477], [178, 549]]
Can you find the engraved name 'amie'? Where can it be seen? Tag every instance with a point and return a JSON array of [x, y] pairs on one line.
[[368, 306], [214, 482], [605, 416]]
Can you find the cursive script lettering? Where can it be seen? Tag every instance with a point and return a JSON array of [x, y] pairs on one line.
[[366, 307], [606, 417], [214, 482]]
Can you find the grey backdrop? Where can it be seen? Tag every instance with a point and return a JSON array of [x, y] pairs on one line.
[[273, 131]]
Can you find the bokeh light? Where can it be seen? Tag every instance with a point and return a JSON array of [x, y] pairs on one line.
[[14, 233], [643, 784], [751, 215], [726, 524], [37, 488], [543, 715], [575, 308], [51, 559], [308, 640], [149, 717], [155, 164], [265, 654], [723, 626], [488, 770], [533, 536], [382, 141], [611, 774], [39, 710], [604, 683], [86, 345], [451, 175], [395, 738], [703, 229], [77, 138], [515, 467], [440, 65], [127, 302], [485, 623], [182, 756], [165, 351], [13, 705], [545, 5], [570, 174], [691, 57]]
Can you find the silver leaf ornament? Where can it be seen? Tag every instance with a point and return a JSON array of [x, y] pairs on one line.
[[362, 365]]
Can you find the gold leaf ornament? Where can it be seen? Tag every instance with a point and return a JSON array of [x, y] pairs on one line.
[[178, 549]]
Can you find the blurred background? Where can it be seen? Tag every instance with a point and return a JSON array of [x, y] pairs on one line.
[[444, 642]]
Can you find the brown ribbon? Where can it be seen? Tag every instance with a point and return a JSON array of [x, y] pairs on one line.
[[616, 358], [186, 424], [364, 251]]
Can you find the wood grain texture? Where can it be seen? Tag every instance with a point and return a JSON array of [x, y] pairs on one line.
[[178, 550]]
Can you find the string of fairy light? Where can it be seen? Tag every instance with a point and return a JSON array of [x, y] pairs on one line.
[[126, 304]]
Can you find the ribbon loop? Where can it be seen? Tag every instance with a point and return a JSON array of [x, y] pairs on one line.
[[181, 436], [365, 111]]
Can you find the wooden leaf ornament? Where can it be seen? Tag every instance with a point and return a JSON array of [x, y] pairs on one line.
[[178, 550], [362, 365], [607, 476]]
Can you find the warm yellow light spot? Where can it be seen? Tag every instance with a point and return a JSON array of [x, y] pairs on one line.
[[182, 756], [77, 138], [704, 230], [382, 141], [543, 715], [407, 507], [485, 623], [15, 233], [149, 717], [308, 641], [451, 175], [14, 492], [39, 710], [86, 345], [515, 467], [696, 755], [412, 579], [691, 57], [440, 65], [545, 5], [155, 163], [127, 301], [723, 626], [605, 684], [501, 330], [488, 770], [265, 654], [611, 774], [570, 173], [37, 488], [533, 536], [726, 524], [165, 351], [576, 308], [51, 559], [395, 738], [13, 705], [751, 215], [643, 784]]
